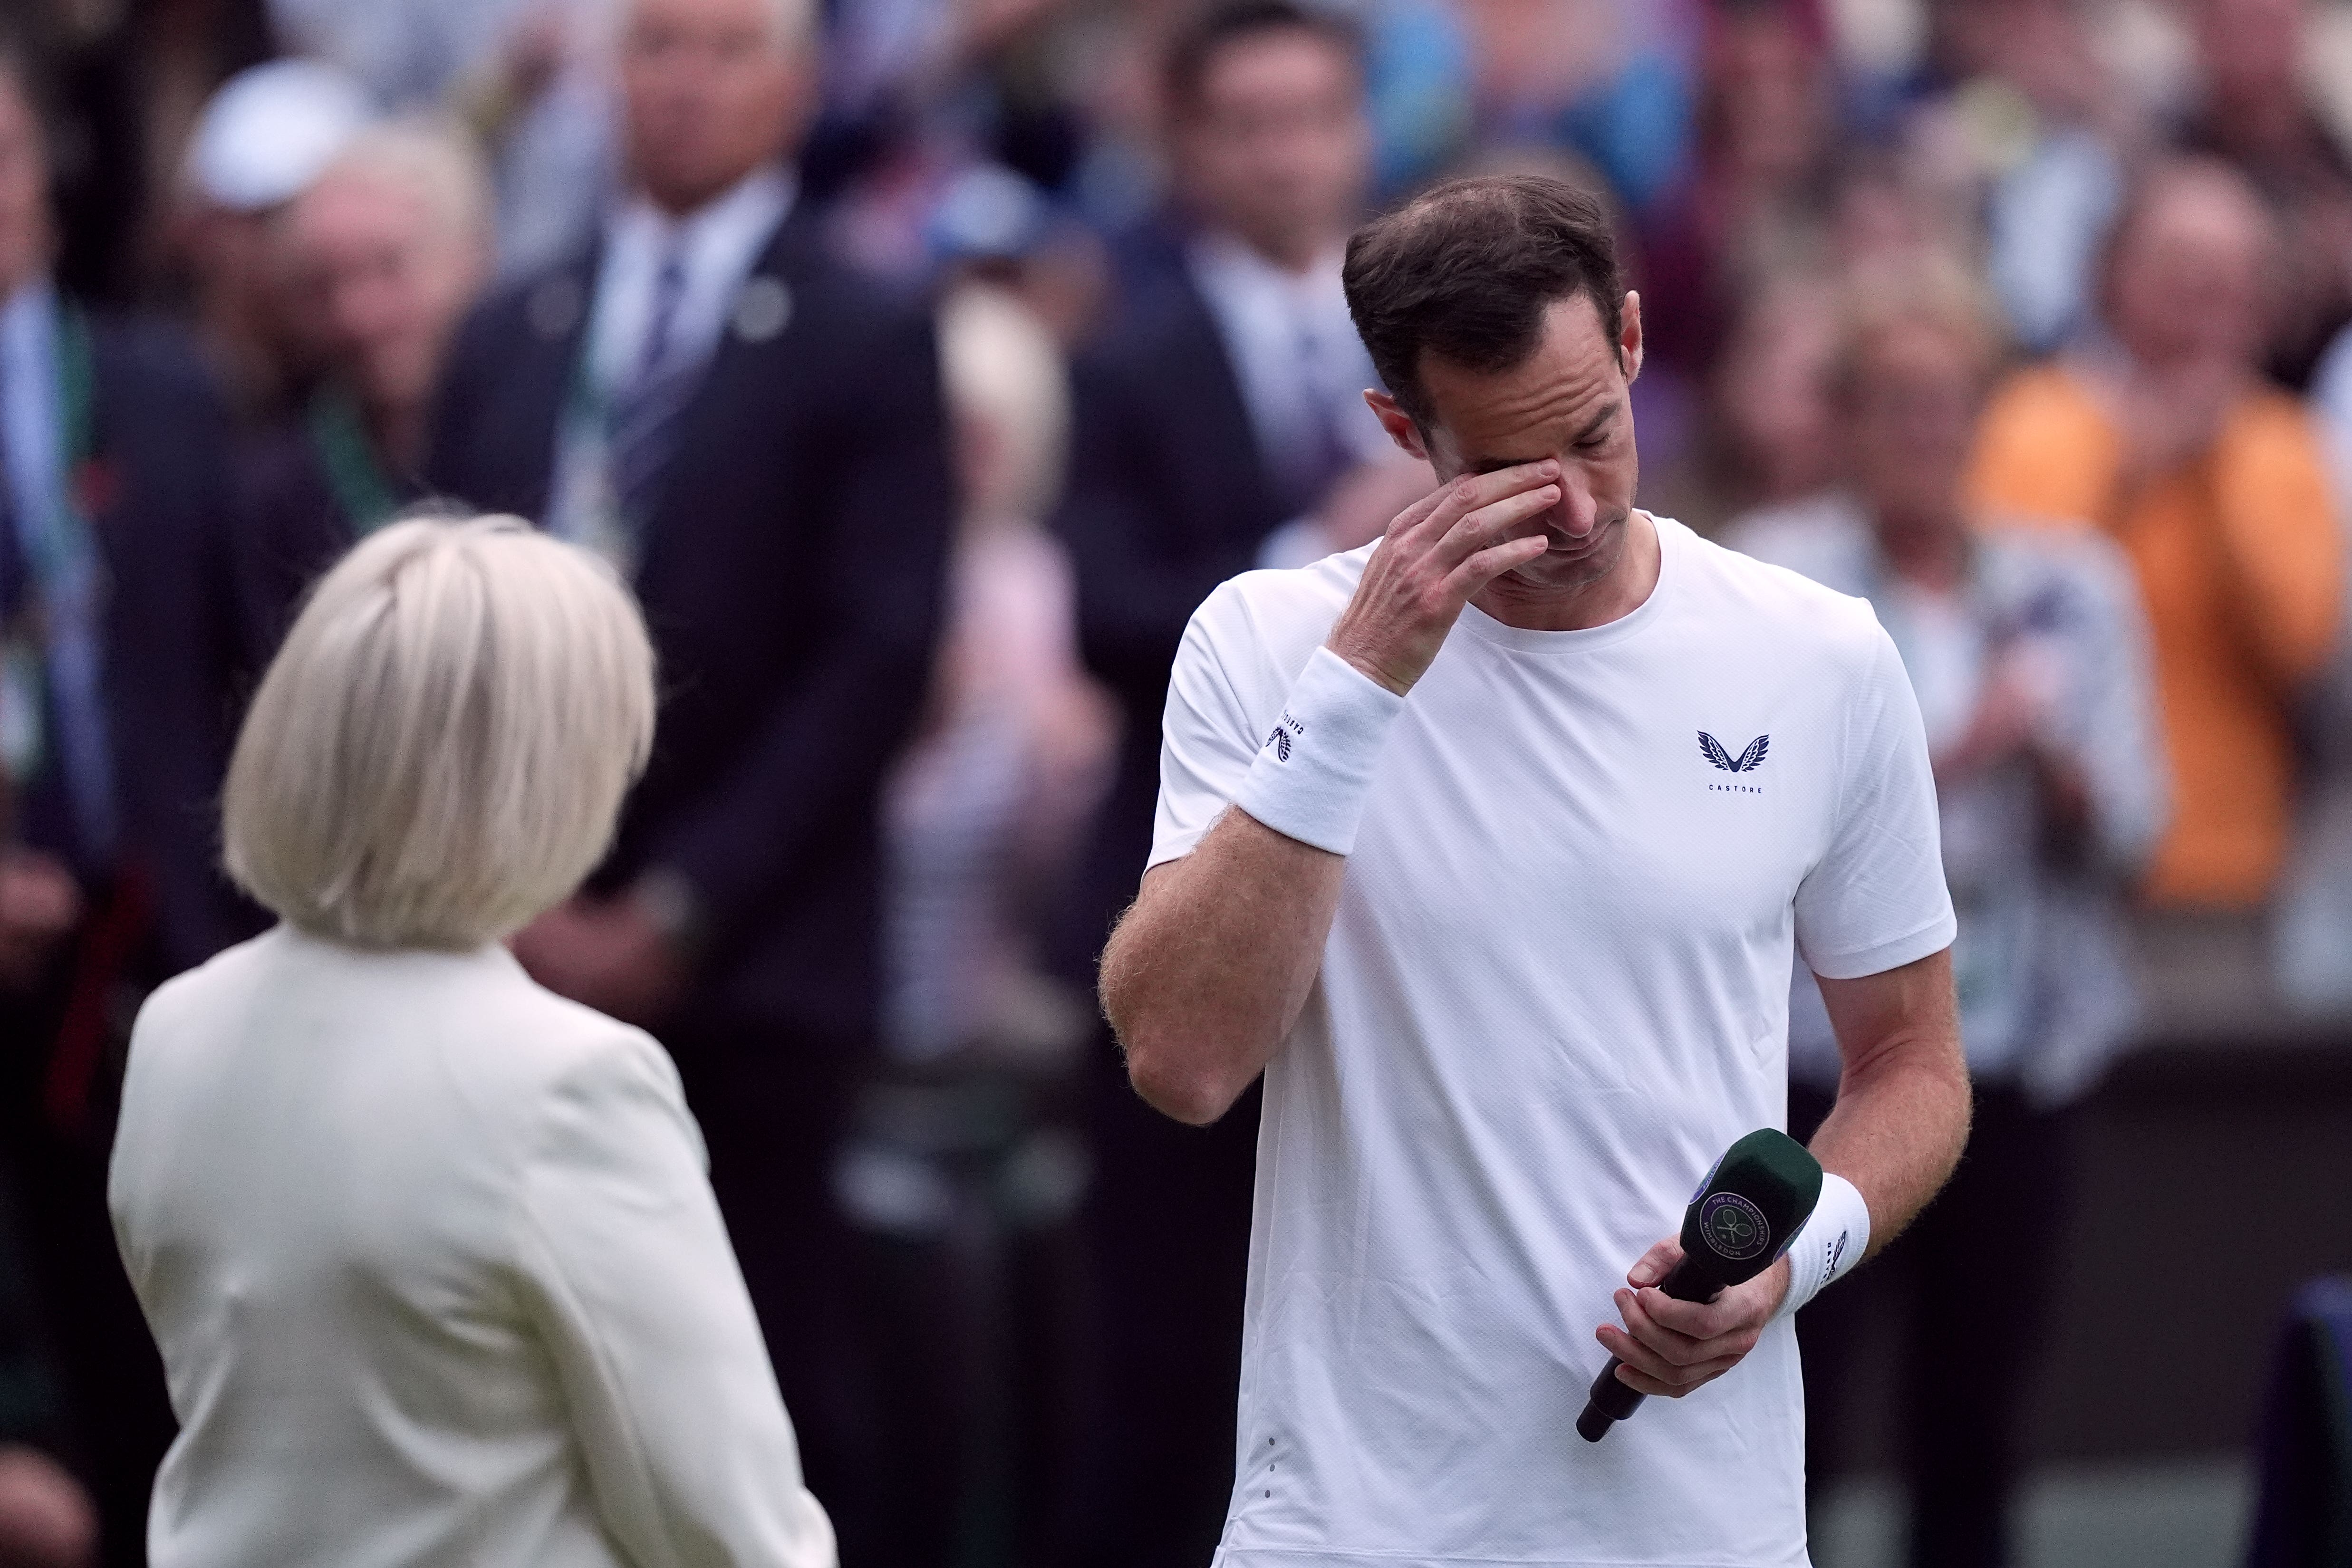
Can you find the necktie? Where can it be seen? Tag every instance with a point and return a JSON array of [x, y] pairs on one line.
[[646, 414]]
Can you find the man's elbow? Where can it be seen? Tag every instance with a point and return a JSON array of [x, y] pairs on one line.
[[1174, 1083], [1175, 1059]]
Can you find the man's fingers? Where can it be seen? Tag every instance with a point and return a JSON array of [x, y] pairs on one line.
[[1684, 1333], [1641, 1382], [1457, 500], [1493, 562], [1495, 522], [1656, 1263], [1670, 1344], [1662, 1372], [1695, 1319]]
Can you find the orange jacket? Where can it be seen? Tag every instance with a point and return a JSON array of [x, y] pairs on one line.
[[2239, 558]]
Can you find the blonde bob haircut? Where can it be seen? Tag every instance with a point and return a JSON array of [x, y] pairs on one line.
[[439, 752]]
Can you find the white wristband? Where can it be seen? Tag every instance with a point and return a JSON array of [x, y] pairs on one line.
[[1315, 767], [1828, 1244]]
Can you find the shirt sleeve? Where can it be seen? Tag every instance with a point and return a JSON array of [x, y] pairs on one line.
[[1206, 740], [630, 1280], [1876, 900]]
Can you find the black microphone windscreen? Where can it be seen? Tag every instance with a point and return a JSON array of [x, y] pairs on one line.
[[1749, 1207]]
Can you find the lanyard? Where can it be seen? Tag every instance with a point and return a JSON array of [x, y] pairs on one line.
[[339, 438], [55, 538], [52, 657]]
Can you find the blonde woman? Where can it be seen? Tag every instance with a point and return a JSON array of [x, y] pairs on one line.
[[429, 1251]]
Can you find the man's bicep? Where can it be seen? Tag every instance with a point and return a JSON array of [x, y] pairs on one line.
[[1912, 1004]]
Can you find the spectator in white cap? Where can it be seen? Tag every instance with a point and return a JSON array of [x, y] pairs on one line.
[[388, 249], [262, 140], [530, 78]]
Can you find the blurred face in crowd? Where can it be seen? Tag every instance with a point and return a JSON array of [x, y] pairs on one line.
[[1908, 408], [249, 298], [1570, 400], [2250, 50], [24, 189], [2184, 279], [2041, 48], [1273, 144], [1769, 392], [392, 266], [1768, 110], [711, 89]]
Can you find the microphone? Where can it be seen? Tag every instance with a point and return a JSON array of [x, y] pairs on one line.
[[1743, 1217]]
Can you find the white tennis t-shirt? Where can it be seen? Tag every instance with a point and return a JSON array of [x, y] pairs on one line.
[[1556, 990]]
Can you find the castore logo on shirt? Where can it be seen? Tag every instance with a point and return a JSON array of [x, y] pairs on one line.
[[1747, 761]]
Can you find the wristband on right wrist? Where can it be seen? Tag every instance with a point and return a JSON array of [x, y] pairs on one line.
[[1315, 769], [1828, 1244]]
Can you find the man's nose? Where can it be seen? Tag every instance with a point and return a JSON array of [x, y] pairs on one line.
[[1575, 510]]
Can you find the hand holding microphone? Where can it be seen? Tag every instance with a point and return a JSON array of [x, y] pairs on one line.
[[1752, 1206]]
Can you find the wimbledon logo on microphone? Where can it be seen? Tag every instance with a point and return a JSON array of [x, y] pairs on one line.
[[1734, 1227]]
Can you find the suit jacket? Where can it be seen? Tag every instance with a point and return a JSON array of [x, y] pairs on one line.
[[438, 1278], [290, 525], [288, 529], [791, 576], [1169, 495], [158, 496]]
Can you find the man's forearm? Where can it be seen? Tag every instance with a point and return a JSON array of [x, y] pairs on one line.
[[1902, 1104], [1207, 973], [1896, 1134]]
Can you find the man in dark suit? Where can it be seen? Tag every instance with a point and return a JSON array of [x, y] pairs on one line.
[[755, 435], [116, 637], [1219, 425]]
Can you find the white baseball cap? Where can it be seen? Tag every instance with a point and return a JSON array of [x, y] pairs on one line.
[[272, 130]]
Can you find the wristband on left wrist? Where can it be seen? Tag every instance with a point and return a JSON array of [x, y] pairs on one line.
[[1828, 1244]]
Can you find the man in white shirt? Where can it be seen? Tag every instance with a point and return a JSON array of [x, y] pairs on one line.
[[1490, 844]]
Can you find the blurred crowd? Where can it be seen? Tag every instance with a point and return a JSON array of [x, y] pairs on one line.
[[923, 363]]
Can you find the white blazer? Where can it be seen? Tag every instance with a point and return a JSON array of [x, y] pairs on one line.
[[438, 1278]]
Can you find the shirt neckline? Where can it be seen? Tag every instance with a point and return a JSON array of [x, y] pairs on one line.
[[1589, 639], [763, 198], [1227, 257]]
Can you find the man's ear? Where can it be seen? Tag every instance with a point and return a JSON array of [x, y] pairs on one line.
[[1629, 337], [1402, 427]]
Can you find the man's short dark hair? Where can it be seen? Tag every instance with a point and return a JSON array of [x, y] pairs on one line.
[[1466, 270], [1196, 44]]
